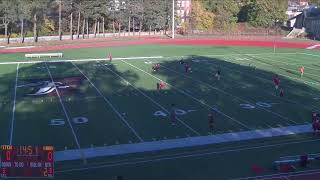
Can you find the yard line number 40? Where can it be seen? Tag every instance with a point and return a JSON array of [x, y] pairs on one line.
[[259, 104]]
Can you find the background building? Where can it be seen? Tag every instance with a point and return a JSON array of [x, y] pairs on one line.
[[183, 10]]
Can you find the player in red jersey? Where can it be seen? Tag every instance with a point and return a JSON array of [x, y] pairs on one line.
[[301, 71], [156, 67], [110, 57], [162, 85], [211, 121], [173, 115], [316, 127], [276, 81]]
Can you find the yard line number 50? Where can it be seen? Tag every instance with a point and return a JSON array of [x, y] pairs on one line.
[[75, 120]]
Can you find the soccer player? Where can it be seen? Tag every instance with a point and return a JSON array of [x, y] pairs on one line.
[[316, 127], [281, 92], [173, 117], [211, 121], [158, 86], [181, 62], [314, 116], [156, 67], [276, 81], [162, 85], [301, 71], [218, 74], [110, 57], [186, 67]]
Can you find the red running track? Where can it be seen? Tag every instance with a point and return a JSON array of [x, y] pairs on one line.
[[262, 43]]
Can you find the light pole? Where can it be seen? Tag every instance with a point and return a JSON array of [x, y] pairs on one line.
[[173, 19], [59, 20]]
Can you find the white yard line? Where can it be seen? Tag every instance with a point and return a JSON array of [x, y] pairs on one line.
[[235, 97], [64, 110], [74, 154], [152, 100], [111, 105], [14, 106], [189, 95]]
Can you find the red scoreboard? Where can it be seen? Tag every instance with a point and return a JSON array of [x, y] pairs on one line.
[[26, 161]]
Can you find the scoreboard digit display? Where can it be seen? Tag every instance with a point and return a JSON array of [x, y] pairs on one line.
[[26, 161]]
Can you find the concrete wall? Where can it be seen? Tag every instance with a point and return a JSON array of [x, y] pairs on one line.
[[67, 37]]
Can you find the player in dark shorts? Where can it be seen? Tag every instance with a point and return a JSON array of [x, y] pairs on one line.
[[218, 74], [211, 121], [314, 116], [281, 93], [173, 115], [186, 67], [316, 127], [276, 81], [158, 86], [156, 67]]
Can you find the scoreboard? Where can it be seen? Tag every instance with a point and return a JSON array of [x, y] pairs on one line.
[[26, 161]]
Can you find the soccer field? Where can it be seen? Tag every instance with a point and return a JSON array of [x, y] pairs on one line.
[[83, 102]]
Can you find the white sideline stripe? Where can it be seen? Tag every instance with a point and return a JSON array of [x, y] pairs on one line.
[[121, 58], [152, 100], [75, 154], [14, 106], [177, 156], [64, 110], [278, 175], [234, 96], [231, 54], [110, 104], [80, 60], [313, 47], [192, 97]]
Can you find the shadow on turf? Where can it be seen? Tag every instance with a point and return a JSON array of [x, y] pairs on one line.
[[203, 69]]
